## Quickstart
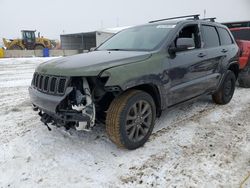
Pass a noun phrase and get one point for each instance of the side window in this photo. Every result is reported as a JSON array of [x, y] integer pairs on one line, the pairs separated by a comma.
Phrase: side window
[[191, 33], [224, 37], [210, 36]]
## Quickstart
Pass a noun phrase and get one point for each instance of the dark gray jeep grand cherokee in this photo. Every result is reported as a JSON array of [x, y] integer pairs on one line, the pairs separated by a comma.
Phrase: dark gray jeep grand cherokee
[[128, 80]]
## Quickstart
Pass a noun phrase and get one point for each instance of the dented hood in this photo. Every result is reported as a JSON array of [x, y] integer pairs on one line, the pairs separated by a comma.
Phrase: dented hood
[[90, 64]]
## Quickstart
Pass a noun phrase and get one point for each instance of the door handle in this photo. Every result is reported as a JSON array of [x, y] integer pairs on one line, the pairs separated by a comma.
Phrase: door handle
[[201, 55], [224, 50]]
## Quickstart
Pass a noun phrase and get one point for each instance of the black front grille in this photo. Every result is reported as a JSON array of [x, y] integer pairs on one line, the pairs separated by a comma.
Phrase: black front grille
[[50, 84], [61, 85], [46, 83], [52, 87]]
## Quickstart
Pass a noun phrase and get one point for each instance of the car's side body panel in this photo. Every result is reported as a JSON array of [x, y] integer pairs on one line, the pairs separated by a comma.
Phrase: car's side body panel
[[178, 78], [107, 74], [149, 71]]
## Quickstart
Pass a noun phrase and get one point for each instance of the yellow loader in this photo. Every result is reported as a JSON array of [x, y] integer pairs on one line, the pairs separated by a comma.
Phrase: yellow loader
[[29, 41]]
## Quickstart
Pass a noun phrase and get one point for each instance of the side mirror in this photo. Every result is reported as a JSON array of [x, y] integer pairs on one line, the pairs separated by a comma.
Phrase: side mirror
[[182, 44]]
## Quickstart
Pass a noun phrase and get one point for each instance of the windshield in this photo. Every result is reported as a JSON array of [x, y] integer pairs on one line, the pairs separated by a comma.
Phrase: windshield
[[141, 38], [243, 34]]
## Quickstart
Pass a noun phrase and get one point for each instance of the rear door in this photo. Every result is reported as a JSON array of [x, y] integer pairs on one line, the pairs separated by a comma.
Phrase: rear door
[[229, 47], [216, 53]]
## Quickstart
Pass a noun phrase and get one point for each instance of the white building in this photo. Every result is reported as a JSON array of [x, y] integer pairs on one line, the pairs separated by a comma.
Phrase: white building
[[87, 40]]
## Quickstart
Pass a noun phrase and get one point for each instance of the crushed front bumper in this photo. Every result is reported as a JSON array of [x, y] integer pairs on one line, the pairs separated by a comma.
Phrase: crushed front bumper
[[48, 107], [45, 102]]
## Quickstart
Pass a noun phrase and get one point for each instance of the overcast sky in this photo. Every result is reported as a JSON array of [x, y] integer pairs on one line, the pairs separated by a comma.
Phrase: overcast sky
[[53, 17]]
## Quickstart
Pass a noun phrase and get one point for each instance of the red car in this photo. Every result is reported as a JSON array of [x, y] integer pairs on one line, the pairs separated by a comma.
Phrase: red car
[[241, 32], [242, 36]]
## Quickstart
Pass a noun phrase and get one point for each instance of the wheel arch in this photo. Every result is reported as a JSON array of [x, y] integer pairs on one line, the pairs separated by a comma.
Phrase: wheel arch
[[16, 43], [39, 44], [234, 67], [154, 92]]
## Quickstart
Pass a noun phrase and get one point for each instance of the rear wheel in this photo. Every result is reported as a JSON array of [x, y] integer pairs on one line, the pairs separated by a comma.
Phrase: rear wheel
[[130, 119], [39, 47], [226, 91]]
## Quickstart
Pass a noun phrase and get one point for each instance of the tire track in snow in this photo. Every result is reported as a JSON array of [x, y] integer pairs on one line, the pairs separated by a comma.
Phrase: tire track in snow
[[214, 144], [15, 111]]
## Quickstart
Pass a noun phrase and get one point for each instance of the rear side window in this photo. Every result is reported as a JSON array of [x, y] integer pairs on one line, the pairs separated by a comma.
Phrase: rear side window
[[210, 36], [225, 37]]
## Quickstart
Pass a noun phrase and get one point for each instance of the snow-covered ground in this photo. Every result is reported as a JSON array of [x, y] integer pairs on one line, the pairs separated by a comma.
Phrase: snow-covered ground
[[198, 144]]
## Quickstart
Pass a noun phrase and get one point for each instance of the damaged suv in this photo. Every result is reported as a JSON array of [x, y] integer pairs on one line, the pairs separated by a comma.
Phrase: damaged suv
[[132, 77]]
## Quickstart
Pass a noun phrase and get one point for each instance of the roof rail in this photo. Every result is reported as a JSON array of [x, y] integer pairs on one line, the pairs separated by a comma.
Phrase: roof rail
[[195, 16], [210, 19]]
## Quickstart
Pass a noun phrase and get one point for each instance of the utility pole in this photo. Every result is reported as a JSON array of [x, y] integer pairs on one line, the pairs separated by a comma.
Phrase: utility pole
[[205, 12], [117, 22], [101, 24]]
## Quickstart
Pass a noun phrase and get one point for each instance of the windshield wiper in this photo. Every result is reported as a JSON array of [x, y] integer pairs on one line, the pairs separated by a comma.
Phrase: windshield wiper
[[119, 49], [115, 49]]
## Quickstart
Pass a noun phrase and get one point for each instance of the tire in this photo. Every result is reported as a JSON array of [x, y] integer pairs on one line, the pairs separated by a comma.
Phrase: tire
[[126, 128], [226, 91], [245, 83], [16, 47], [39, 47], [244, 78]]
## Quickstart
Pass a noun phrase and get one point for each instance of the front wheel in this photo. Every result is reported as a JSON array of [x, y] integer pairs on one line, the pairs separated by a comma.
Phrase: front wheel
[[226, 91], [16, 47], [130, 119]]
